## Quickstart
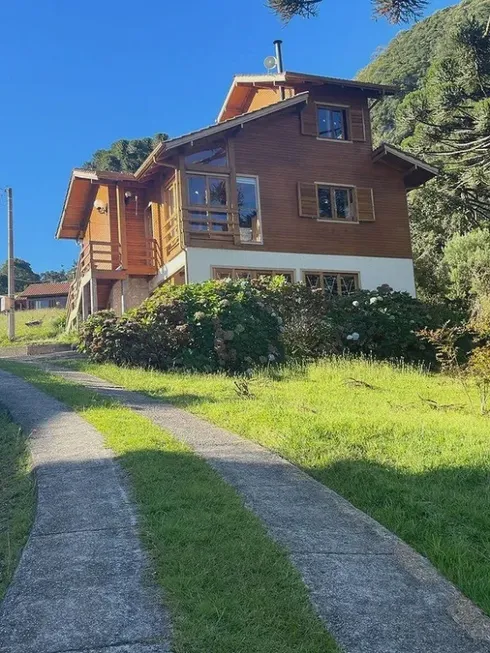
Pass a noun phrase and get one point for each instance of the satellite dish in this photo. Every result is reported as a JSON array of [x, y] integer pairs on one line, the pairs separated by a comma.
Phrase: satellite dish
[[270, 63]]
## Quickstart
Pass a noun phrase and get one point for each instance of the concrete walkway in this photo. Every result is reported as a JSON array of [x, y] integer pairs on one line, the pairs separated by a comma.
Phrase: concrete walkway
[[82, 583], [373, 592]]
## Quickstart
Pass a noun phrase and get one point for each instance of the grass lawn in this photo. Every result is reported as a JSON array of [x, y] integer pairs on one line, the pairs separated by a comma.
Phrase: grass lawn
[[230, 588], [16, 497], [409, 448], [47, 331]]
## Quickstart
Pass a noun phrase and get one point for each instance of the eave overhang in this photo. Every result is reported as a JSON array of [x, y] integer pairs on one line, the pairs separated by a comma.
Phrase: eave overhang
[[80, 197], [237, 92], [415, 171]]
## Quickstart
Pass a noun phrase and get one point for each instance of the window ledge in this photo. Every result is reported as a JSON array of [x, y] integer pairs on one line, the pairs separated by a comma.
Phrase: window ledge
[[337, 221], [255, 243], [333, 140]]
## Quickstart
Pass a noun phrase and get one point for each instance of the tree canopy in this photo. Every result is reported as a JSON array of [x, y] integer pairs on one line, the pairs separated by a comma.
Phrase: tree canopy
[[24, 275], [124, 155], [396, 11], [442, 114]]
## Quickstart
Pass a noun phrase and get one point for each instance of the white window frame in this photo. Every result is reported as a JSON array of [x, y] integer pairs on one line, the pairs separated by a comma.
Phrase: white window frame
[[259, 209]]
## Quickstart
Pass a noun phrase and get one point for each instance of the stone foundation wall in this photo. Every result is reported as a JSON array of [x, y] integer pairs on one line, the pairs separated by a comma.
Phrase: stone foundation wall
[[135, 290]]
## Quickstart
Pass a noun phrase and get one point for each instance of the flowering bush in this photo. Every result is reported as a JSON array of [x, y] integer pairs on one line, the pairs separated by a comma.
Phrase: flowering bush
[[385, 324], [236, 325], [209, 326]]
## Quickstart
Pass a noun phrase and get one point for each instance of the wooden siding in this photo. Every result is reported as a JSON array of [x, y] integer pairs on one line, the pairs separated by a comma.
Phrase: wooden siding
[[277, 152], [263, 97], [98, 227]]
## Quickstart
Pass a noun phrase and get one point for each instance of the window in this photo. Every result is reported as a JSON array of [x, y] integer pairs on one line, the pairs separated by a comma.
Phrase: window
[[244, 273], [333, 283], [336, 203], [248, 210], [208, 203], [215, 157], [332, 123]]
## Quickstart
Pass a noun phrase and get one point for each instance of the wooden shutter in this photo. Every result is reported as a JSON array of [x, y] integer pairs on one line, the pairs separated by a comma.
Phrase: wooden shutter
[[357, 127], [308, 200], [309, 121], [365, 204]]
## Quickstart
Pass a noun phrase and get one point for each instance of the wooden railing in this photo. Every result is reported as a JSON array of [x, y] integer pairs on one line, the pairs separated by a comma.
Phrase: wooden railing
[[106, 256], [171, 232], [99, 255], [214, 226], [146, 254]]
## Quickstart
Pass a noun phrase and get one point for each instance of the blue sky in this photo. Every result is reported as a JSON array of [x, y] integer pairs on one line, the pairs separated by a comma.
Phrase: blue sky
[[77, 76]]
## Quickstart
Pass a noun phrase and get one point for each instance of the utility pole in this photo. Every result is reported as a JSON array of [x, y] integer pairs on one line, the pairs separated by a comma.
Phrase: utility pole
[[10, 264]]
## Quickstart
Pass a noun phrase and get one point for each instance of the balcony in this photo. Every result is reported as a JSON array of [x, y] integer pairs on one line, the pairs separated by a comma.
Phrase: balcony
[[104, 261]]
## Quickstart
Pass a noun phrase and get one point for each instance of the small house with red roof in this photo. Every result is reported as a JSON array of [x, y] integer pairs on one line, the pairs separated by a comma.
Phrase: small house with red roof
[[45, 295]]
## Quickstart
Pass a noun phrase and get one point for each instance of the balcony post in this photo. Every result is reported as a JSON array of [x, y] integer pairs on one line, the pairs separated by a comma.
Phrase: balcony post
[[93, 296], [121, 225], [85, 311]]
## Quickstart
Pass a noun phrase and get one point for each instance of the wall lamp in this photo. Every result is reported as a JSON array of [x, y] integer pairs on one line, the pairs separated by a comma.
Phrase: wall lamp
[[101, 206]]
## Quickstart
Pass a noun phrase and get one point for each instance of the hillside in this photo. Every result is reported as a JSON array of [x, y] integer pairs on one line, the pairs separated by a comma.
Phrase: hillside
[[406, 59]]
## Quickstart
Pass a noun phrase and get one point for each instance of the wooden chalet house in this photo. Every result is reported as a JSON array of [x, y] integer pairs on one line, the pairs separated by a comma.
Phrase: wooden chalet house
[[285, 182]]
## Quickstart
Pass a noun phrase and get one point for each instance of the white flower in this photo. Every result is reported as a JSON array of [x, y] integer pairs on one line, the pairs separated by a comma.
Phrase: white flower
[[355, 336], [349, 337], [355, 303], [373, 300], [271, 358]]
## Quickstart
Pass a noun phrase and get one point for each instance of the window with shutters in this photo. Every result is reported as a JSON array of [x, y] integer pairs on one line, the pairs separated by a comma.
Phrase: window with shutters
[[336, 203], [332, 283], [332, 123]]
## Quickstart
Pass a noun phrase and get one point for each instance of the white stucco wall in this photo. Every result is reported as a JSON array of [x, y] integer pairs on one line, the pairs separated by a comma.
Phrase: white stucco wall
[[373, 271], [168, 270]]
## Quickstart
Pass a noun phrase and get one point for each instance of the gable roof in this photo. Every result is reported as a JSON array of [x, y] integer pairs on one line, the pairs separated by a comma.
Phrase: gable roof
[[415, 171], [46, 289], [218, 128], [81, 189], [292, 79]]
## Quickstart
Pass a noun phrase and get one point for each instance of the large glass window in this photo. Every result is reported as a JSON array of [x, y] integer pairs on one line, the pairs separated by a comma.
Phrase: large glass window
[[211, 157], [333, 283], [209, 194], [332, 123], [248, 209], [336, 203]]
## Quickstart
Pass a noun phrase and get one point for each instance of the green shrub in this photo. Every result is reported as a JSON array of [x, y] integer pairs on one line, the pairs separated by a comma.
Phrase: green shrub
[[236, 325], [385, 324], [209, 326]]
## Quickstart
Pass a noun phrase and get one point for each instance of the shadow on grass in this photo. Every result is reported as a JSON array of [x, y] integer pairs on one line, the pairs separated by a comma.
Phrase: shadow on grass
[[228, 585], [443, 513]]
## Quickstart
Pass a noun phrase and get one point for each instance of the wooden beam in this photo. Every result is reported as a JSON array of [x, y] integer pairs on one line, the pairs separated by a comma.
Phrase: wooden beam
[[121, 225]]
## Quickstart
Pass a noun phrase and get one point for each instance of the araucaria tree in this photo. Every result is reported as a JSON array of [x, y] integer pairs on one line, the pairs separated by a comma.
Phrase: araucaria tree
[[447, 121], [124, 155], [396, 11]]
